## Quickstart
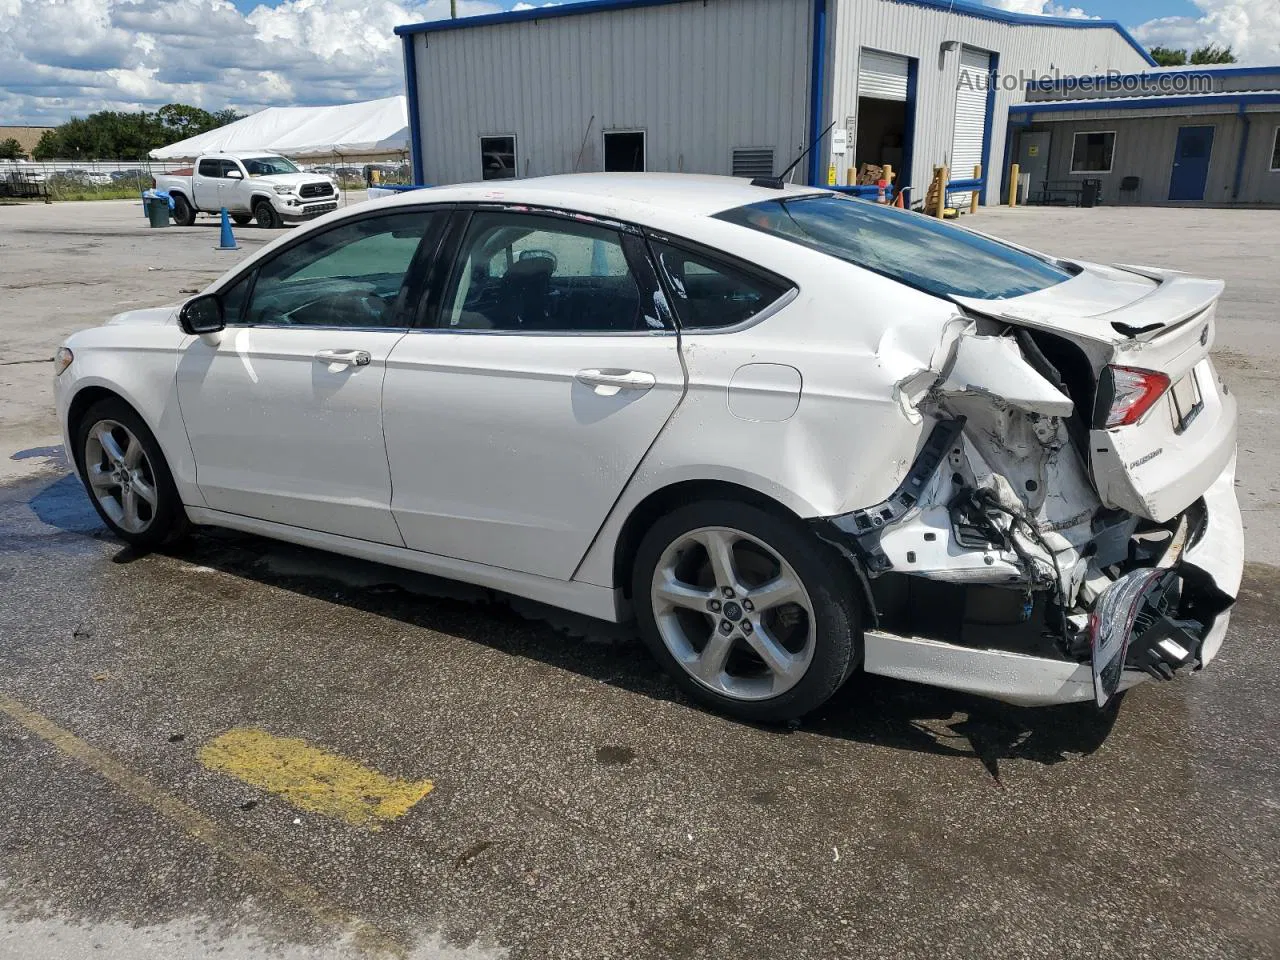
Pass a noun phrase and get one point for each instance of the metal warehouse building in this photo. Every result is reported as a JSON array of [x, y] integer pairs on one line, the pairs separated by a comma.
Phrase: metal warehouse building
[[736, 86], [1198, 136]]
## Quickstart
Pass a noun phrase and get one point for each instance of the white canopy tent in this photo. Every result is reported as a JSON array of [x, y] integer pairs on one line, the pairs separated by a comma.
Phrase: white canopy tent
[[375, 128]]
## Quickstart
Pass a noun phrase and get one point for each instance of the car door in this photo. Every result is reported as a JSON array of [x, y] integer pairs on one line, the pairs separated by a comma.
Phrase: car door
[[206, 184], [514, 421], [231, 192], [283, 411]]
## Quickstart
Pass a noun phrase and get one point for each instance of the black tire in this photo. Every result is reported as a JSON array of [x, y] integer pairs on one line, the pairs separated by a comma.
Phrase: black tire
[[184, 215], [266, 215], [242, 219], [832, 590], [168, 519]]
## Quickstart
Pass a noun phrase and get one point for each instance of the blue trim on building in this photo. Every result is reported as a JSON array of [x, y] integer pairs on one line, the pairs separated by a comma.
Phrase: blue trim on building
[[906, 174], [415, 115], [1025, 19], [817, 90], [1241, 99], [1120, 78], [993, 76], [522, 16], [599, 6]]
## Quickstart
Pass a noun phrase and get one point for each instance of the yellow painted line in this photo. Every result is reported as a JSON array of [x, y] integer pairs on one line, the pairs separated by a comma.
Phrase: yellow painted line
[[219, 839], [312, 779]]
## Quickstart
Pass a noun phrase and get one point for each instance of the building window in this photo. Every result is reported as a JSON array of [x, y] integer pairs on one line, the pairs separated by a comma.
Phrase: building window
[[1092, 152], [497, 158], [624, 151], [1275, 152], [753, 162]]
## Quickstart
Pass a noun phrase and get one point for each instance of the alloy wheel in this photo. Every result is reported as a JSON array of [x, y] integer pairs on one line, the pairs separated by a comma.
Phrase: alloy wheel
[[120, 476], [733, 613]]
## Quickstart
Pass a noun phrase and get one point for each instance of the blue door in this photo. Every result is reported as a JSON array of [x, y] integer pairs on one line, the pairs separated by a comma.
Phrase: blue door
[[1190, 163]]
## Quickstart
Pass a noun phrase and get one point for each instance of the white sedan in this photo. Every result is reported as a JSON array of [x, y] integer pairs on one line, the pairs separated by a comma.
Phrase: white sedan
[[791, 433]]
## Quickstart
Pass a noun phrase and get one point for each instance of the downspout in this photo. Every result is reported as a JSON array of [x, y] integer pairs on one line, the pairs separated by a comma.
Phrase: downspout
[[1244, 146], [993, 74], [817, 85], [415, 117]]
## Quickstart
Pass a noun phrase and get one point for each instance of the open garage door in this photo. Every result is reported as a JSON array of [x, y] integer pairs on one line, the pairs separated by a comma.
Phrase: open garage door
[[971, 118], [885, 90]]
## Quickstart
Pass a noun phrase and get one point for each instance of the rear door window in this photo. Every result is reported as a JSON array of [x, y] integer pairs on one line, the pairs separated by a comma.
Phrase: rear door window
[[911, 248], [709, 292], [535, 273], [210, 168]]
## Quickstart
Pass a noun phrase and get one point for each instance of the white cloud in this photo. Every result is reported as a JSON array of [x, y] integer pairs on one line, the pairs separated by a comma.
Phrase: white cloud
[[1040, 8], [60, 58], [1251, 28]]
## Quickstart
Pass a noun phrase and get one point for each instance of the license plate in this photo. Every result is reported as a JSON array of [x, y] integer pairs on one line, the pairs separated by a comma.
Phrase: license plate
[[1187, 401]]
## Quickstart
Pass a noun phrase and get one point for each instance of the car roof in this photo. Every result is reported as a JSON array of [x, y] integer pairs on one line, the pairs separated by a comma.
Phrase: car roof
[[628, 196]]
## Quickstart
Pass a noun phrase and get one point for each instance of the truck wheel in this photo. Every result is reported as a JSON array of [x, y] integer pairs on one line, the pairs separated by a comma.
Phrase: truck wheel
[[184, 215], [266, 215], [242, 219]]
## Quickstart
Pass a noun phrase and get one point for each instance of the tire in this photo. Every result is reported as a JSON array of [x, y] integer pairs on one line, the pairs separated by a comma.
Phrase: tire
[[155, 520], [184, 215], [814, 639], [266, 215], [242, 219]]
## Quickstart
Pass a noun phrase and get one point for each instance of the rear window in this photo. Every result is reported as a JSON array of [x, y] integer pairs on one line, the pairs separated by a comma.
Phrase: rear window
[[914, 249]]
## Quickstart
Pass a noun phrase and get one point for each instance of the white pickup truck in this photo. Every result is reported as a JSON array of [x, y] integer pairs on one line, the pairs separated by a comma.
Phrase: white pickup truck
[[252, 185]]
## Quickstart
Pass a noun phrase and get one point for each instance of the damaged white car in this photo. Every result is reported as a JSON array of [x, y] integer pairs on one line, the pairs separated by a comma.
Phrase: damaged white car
[[793, 434]]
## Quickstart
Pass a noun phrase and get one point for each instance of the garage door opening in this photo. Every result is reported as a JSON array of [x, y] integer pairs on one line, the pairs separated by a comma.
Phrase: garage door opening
[[886, 113], [624, 151]]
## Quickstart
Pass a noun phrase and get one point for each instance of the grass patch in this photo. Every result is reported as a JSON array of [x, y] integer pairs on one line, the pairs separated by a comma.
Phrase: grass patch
[[96, 193]]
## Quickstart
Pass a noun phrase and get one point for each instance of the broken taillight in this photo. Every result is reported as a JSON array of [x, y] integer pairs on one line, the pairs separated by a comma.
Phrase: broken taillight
[[1134, 391]]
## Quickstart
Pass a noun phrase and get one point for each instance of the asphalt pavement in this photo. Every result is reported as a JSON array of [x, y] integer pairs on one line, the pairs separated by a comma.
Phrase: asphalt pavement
[[244, 749]]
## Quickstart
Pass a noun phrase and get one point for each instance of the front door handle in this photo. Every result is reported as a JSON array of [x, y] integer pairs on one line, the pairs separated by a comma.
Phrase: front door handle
[[608, 382], [345, 358]]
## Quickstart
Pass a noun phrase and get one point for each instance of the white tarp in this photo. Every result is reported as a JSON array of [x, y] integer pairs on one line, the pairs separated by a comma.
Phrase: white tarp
[[372, 128]]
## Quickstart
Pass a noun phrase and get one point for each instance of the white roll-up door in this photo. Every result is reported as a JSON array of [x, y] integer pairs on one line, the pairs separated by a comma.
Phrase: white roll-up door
[[882, 75], [971, 117]]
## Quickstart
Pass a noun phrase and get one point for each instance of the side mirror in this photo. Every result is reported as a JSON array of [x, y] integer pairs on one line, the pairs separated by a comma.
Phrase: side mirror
[[234, 175], [202, 314]]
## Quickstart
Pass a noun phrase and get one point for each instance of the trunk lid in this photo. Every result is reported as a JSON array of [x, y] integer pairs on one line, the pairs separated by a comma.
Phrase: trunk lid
[[1148, 319]]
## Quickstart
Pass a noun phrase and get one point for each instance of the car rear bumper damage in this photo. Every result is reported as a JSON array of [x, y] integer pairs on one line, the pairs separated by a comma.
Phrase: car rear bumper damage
[[1062, 604]]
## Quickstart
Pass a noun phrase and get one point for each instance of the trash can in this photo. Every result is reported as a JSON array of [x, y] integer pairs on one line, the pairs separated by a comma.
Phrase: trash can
[[1089, 193], [157, 211], [146, 207]]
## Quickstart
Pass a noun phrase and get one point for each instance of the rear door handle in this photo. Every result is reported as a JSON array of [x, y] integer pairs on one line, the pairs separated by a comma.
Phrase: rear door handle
[[608, 382], [345, 358]]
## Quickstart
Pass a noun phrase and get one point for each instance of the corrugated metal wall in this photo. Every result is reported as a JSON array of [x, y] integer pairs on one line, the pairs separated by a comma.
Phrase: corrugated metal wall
[[1144, 148], [701, 79], [920, 32]]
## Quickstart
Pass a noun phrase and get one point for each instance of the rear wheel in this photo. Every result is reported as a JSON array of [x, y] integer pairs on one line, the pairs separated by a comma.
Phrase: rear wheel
[[184, 215], [266, 215], [746, 610], [126, 475]]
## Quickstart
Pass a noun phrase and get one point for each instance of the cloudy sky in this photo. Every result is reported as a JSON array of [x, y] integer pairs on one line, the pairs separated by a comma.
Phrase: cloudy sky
[[60, 58]]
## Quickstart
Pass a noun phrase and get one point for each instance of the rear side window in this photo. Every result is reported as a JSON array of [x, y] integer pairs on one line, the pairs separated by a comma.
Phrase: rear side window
[[210, 168], [709, 292], [531, 273], [913, 249]]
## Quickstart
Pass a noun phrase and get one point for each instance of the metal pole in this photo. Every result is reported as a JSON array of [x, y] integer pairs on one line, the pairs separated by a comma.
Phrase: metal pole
[[1014, 171], [973, 197], [453, 9]]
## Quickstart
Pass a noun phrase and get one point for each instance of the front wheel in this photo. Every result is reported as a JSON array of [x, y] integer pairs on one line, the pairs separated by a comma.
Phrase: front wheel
[[126, 475], [266, 215], [242, 219], [748, 611]]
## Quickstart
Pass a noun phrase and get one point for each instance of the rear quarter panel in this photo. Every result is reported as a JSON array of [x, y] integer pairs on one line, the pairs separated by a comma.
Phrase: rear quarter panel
[[853, 337]]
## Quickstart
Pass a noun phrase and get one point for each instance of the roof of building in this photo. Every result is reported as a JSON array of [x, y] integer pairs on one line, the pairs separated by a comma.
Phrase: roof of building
[[1238, 100], [956, 7]]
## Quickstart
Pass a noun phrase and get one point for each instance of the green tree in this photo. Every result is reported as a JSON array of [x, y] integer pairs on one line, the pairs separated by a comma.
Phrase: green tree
[[47, 147], [182, 120], [1168, 58], [222, 117], [10, 149], [1212, 53]]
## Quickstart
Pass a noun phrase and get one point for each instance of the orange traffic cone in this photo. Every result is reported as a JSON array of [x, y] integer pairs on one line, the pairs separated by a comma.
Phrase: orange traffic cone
[[897, 201]]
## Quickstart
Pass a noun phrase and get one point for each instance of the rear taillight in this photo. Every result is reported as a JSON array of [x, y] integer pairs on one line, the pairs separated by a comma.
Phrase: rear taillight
[[1134, 391]]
